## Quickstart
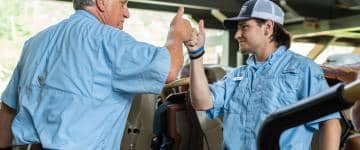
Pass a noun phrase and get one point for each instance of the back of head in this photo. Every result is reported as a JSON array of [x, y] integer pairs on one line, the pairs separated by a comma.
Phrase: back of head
[[80, 4]]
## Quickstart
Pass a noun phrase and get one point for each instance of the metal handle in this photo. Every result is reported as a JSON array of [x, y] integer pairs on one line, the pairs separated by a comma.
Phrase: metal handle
[[336, 98], [351, 91], [176, 83]]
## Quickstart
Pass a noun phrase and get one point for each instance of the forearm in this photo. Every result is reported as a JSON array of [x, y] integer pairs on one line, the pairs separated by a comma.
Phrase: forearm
[[330, 133], [355, 115], [180, 31], [199, 87], [174, 45], [7, 115]]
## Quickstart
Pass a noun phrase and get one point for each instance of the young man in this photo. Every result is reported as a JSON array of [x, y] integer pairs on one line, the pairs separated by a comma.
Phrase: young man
[[73, 85], [273, 78]]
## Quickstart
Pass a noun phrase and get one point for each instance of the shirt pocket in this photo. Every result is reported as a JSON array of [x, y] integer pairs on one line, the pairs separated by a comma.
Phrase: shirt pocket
[[279, 90], [289, 80]]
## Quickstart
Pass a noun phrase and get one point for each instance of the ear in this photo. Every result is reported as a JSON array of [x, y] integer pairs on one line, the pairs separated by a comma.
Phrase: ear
[[269, 27], [100, 4]]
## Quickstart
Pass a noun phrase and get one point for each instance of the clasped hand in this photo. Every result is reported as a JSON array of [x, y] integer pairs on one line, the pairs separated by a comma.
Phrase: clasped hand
[[181, 28]]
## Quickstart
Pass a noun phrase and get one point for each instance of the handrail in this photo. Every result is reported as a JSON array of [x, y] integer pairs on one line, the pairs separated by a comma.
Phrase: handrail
[[176, 83], [351, 91], [336, 98]]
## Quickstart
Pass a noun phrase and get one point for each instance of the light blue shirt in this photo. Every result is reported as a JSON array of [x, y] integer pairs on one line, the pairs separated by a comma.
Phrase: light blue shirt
[[249, 93], [74, 83]]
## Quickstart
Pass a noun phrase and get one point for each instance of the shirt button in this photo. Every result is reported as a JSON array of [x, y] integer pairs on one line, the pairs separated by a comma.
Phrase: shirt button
[[41, 80]]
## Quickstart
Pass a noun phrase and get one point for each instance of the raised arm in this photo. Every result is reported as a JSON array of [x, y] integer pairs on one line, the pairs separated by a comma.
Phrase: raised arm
[[180, 31], [199, 88]]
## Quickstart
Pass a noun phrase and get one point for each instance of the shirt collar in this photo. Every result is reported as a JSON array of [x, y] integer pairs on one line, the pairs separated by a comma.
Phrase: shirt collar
[[86, 14], [279, 51]]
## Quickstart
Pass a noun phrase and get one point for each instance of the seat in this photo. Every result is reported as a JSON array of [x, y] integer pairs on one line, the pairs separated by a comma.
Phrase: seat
[[183, 123]]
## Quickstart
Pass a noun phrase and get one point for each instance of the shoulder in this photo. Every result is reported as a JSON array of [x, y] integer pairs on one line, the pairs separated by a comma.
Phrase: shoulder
[[112, 31], [297, 58], [94, 29], [44, 35], [111, 34], [302, 62], [306, 66]]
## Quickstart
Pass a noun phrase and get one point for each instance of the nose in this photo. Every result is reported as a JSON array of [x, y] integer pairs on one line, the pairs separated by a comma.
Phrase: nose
[[237, 34], [126, 13]]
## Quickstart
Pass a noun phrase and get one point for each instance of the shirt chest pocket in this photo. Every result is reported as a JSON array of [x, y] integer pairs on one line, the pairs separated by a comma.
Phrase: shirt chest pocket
[[280, 89], [289, 80]]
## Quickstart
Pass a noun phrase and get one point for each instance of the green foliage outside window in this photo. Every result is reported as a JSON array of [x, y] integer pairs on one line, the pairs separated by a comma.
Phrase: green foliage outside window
[[12, 35]]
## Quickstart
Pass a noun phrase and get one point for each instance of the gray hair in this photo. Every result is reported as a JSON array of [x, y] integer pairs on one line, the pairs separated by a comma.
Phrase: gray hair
[[80, 4]]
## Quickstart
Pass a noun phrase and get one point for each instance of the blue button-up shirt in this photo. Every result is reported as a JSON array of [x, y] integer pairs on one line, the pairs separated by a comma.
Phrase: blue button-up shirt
[[73, 85], [249, 93]]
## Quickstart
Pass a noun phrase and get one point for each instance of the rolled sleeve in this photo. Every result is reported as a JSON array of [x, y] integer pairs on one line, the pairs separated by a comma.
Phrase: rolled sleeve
[[156, 74], [138, 67], [217, 109], [315, 124], [218, 97]]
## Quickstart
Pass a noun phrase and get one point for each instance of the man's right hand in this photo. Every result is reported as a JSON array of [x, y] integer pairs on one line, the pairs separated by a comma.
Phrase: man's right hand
[[197, 39], [180, 31], [180, 27]]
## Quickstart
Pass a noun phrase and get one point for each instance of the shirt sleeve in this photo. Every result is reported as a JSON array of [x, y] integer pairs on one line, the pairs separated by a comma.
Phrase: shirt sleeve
[[219, 94], [137, 67], [316, 83], [11, 94]]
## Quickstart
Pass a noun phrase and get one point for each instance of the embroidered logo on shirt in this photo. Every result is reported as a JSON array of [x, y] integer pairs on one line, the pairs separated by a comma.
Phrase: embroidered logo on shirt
[[238, 78]]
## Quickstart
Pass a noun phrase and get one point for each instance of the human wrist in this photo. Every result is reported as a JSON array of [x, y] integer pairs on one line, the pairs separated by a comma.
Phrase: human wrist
[[197, 53]]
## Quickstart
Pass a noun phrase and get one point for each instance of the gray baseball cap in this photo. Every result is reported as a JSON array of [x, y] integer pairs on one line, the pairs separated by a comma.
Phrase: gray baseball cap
[[262, 9]]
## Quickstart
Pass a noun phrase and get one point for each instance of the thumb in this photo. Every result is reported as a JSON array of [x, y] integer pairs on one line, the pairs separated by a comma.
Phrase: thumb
[[180, 12], [201, 26]]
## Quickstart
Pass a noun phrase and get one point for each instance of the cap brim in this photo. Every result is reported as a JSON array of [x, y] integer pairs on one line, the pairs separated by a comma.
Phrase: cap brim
[[231, 23]]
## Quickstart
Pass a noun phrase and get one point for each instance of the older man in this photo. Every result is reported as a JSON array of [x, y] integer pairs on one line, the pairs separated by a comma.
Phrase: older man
[[73, 85]]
